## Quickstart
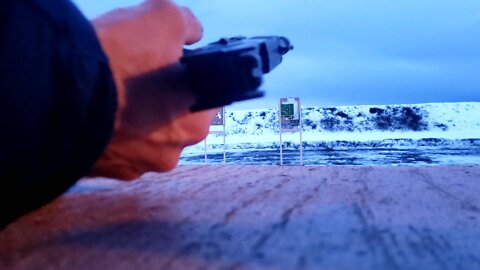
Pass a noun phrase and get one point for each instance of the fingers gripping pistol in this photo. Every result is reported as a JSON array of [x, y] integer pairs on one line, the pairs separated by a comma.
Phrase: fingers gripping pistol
[[231, 69]]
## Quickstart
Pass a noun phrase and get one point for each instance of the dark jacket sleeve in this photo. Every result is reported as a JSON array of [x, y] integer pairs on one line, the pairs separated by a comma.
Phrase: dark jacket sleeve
[[57, 102]]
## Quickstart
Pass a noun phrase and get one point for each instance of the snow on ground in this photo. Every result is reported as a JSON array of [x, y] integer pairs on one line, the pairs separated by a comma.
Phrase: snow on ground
[[396, 126]]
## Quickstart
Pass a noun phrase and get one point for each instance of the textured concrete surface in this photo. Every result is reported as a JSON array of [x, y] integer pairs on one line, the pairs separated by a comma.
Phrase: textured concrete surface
[[258, 217]]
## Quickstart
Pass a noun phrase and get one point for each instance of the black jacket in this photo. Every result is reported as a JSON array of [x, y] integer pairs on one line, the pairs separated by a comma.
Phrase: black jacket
[[57, 102]]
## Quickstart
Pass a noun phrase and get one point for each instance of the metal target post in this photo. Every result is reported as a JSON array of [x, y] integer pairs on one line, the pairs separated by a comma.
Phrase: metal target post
[[290, 120], [219, 120]]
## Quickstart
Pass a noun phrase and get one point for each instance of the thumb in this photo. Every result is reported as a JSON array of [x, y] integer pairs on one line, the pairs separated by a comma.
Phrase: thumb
[[194, 29]]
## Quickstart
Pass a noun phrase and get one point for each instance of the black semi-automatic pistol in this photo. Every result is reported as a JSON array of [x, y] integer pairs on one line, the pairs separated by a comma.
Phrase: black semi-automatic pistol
[[231, 69]]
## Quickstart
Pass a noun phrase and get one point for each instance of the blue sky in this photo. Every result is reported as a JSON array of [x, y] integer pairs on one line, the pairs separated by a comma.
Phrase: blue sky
[[351, 52]]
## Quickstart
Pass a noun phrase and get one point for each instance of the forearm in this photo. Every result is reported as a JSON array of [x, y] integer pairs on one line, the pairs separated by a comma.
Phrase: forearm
[[57, 101]]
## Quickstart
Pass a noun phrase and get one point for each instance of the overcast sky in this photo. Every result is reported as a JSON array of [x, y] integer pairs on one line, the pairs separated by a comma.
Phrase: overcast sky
[[351, 52]]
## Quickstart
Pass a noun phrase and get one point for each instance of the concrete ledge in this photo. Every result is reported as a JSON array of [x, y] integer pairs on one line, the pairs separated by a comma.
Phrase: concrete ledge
[[258, 217]]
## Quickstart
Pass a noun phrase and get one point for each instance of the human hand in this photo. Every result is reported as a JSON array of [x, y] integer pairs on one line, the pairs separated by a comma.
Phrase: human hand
[[153, 123]]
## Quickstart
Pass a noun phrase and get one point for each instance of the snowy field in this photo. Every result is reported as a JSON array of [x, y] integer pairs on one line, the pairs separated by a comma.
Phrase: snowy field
[[407, 134]]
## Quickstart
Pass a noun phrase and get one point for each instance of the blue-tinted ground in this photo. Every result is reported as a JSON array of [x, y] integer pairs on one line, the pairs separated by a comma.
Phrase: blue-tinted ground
[[352, 156]]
